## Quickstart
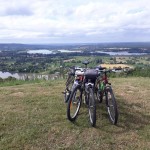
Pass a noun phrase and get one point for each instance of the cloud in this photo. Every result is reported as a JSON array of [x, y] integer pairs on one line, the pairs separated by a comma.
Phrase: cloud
[[23, 11], [74, 21], [10, 8]]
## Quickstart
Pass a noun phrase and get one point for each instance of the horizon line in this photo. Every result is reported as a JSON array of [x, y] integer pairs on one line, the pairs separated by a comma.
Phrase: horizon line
[[72, 43]]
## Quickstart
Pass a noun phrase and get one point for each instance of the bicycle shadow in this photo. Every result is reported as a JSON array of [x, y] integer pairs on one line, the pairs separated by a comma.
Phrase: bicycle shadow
[[131, 118]]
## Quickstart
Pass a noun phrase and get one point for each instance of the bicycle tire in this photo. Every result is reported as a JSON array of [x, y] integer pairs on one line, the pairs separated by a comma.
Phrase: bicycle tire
[[111, 106], [99, 96], [66, 95], [69, 84], [92, 107], [74, 102]]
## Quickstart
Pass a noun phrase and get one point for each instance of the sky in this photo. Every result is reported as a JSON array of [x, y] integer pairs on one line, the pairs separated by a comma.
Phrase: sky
[[74, 21]]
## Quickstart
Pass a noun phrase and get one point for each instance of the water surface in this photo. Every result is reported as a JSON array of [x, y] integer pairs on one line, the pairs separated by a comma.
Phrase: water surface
[[121, 53]]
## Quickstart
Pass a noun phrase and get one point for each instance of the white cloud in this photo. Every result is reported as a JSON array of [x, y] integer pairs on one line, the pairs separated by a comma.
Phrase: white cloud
[[78, 21]]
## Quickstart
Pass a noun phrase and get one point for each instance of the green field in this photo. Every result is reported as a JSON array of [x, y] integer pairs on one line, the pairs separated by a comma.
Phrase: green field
[[33, 117]]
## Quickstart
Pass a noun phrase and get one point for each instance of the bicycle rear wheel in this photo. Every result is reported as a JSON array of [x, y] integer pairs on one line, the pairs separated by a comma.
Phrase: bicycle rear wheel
[[111, 105], [92, 107], [74, 103], [69, 84], [99, 96]]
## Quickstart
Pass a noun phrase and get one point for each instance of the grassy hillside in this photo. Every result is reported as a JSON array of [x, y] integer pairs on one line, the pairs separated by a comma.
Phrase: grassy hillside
[[33, 116]]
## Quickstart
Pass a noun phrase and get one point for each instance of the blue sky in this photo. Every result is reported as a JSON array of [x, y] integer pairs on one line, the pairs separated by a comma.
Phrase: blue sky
[[78, 21]]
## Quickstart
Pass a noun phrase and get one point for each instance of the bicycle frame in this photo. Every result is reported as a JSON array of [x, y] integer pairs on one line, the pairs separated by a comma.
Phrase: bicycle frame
[[102, 80]]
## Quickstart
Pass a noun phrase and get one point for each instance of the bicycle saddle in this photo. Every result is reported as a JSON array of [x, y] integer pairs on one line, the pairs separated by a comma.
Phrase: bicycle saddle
[[86, 62]]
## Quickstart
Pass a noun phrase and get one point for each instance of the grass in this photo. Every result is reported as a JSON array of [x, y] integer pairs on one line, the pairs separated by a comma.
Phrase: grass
[[18, 82], [33, 116]]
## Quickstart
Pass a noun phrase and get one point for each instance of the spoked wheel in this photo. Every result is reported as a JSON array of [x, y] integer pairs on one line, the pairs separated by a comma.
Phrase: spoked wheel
[[92, 107], [111, 106], [99, 96], [69, 81], [74, 103], [69, 85], [66, 95]]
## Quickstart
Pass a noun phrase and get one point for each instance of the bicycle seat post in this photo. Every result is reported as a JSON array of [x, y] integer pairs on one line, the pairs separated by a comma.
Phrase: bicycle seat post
[[85, 63]]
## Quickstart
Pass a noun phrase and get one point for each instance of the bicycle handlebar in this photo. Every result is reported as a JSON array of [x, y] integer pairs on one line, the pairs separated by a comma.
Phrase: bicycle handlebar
[[73, 69]]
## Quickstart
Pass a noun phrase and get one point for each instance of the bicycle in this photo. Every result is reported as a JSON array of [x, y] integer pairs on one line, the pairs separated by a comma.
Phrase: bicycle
[[85, 83], [73, 74], [103, 88]]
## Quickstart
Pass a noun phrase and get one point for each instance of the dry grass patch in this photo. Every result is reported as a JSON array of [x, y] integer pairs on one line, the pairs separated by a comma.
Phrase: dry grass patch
[[33, 116], [116, 65]]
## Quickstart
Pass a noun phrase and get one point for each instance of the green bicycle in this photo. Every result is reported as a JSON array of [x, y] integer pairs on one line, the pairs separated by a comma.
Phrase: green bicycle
[[104, 90]]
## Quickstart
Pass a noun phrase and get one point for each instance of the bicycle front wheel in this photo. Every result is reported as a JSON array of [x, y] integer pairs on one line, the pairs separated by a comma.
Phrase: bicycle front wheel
[[111, 105], [74, 103], [92, 107]]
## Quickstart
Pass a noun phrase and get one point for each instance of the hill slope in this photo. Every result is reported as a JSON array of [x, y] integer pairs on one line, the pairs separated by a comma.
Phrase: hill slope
[[33, 116]]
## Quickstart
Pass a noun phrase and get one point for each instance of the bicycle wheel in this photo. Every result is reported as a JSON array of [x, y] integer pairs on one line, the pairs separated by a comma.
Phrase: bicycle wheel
[[74, 103], [111, 105], [66, 95], [92, 107], [67, 91], [99, 96], [69, 82]]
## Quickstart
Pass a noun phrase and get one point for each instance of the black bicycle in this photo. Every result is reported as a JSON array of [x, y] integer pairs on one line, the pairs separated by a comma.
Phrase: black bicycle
[[85, 85]]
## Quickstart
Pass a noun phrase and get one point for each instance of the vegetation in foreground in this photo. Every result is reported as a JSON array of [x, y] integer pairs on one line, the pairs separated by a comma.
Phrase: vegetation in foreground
[[33, 116]]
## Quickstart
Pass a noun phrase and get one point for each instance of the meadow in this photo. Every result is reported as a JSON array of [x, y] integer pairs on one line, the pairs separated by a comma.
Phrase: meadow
[[33, 117]]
